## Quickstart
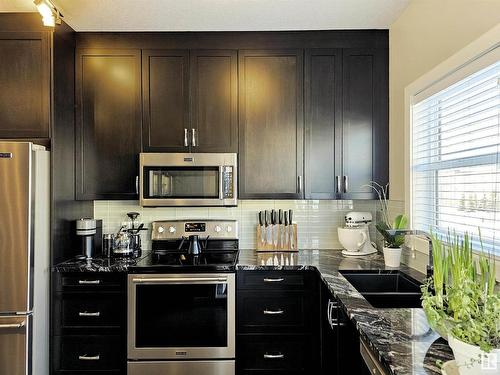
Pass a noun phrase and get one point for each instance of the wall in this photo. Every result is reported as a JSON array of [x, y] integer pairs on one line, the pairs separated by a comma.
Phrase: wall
[[317, 220], [426, 33]]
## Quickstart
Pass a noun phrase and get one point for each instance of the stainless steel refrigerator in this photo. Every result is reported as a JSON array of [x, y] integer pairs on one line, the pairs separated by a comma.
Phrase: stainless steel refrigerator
[[24, 258]]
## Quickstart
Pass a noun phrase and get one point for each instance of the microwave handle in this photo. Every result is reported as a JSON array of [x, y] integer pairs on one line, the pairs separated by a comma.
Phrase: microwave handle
[[221, 181]]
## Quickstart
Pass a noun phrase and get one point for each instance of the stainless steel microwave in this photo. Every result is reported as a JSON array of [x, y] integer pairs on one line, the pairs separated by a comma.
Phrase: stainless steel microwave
[[180, 179]]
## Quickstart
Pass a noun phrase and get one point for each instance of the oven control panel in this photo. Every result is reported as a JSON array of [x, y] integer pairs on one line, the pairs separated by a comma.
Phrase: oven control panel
[[175, 229]]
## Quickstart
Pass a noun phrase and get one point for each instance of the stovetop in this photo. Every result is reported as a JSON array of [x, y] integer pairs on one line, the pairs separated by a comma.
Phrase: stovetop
[[166, 262]]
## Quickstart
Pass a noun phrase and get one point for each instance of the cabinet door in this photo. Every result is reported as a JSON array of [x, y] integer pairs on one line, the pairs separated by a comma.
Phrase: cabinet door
[[323, 118], [271, 124], [165, 86], [25, 85], [365, 121], [108, 117], [214, 106]]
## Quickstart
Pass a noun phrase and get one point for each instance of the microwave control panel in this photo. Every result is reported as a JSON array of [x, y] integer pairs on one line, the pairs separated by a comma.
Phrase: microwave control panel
[[227, 182]]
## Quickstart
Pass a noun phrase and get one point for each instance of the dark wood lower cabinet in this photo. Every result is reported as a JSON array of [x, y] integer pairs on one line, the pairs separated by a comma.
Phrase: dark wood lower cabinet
[[89, 324], [277, 322], [339, 338]]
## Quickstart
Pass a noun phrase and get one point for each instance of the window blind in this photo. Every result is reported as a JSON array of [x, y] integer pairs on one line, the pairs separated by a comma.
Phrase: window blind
[[455, 158]]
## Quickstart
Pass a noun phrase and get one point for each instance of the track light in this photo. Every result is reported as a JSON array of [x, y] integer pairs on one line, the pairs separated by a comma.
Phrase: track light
[[50, 15]]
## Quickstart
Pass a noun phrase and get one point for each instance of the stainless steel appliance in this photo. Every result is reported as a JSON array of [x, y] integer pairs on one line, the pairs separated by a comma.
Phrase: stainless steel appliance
[[181, 305], [89, 230], [24, 258], [179, 179]]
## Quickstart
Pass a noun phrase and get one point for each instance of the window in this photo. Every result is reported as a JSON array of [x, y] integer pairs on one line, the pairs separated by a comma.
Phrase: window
[[455, 157]]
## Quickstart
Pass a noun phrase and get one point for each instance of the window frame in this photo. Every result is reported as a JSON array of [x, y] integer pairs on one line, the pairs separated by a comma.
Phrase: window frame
[[480, 53]]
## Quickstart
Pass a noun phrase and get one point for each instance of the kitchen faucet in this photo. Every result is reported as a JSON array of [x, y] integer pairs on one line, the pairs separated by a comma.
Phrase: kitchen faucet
[[416, 232]]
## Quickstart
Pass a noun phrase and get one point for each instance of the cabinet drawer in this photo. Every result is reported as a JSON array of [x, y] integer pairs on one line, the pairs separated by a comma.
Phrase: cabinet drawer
[[86, 353], [272, 311], [272, 280], [85, 281], [91, 310], [274, 353]]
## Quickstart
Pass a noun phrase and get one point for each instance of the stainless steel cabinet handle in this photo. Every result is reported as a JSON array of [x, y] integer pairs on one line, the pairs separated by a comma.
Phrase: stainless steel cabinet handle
[[193, 137], [137, 184], [85, 357], [299, 183], [346, 184], [337, 181], [273, 312], [192, 280], [274, 356], [185, 137], [89, 282], [13, 325], [84, 313], [277, 280], [336, 324]]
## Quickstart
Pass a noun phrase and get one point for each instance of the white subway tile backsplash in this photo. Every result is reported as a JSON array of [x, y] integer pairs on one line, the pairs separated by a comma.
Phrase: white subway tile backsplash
[[317, 220]]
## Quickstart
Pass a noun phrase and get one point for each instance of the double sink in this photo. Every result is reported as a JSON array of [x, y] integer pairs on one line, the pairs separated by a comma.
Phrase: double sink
[[386, 289]]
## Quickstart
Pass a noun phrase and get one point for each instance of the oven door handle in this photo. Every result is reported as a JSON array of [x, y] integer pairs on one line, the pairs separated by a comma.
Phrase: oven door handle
[[177, 280]]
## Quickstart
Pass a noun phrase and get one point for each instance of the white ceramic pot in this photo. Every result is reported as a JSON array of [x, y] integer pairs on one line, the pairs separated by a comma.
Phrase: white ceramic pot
[[392, 256], [471, 360]]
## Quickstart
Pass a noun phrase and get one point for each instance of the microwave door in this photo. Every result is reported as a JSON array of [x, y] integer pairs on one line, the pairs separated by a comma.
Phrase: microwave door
[[166, 184]]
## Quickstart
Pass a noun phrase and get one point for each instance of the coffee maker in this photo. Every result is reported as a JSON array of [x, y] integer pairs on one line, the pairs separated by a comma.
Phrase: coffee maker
[[90, 232]]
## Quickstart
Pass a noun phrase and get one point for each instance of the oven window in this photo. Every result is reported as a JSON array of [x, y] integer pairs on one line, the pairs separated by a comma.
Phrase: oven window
[[181, 182], [181, 315]]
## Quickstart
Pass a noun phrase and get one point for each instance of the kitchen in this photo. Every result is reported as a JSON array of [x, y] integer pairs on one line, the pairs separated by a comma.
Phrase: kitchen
[[249, 187]]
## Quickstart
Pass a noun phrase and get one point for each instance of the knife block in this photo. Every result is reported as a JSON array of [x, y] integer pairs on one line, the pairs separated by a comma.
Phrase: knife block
[[278, 232]]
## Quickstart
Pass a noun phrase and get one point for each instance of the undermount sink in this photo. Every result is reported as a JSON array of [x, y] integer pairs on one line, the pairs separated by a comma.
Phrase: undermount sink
[[386, 289]]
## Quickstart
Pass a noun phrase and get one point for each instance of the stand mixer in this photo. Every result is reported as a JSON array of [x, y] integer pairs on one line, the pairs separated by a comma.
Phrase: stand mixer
[[355, 236]]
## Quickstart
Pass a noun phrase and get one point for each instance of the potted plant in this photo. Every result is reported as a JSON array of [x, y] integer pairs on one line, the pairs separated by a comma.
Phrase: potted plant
[[462, 305], [392, 243]]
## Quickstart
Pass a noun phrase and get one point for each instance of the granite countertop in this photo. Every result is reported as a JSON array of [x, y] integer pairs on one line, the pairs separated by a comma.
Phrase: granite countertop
[[401, 337]]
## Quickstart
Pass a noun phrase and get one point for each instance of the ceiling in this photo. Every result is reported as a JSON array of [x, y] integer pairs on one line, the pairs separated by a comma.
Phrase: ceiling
[[219, 15]]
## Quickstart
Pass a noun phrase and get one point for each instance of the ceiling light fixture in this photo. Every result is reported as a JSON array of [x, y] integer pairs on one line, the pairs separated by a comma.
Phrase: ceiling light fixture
[[50, 14]]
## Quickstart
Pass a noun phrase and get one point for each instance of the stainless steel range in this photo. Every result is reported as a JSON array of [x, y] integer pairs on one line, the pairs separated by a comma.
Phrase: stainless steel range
[[181, 300]]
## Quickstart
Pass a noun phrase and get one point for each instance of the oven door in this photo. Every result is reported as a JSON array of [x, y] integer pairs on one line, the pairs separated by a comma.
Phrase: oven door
[[181, 316], [188, 179]]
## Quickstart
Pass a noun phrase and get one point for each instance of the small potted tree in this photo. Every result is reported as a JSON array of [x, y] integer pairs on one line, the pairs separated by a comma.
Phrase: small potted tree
[[393, 244], [462, 304]]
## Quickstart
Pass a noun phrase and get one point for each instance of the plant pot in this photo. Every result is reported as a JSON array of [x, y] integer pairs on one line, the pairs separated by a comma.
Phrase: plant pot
[[392, 256], [471, 360]]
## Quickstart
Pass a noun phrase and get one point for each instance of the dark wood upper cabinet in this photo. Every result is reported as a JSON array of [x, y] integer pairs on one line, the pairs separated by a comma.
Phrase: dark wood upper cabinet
[[108, 117], [365, 121], [165, 85], [214, 100], [323, 119], [271, 124], [25, 84]]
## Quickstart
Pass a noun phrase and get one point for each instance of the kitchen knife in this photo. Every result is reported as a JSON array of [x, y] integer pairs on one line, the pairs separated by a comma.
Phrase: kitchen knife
[[291, 229], [274, 216], [285, 229], [269, 238], [280, 221], [262, 228]]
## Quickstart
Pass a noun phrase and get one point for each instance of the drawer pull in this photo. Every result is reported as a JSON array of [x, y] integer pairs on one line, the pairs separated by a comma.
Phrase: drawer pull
[[85, 357], [85, 313], [277, 280], [89, 282], [274, 356], [273, 312]]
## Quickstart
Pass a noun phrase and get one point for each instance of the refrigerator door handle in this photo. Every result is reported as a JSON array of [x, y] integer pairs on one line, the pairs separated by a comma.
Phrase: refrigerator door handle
[[13, 325]]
